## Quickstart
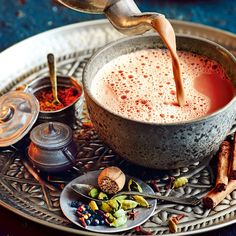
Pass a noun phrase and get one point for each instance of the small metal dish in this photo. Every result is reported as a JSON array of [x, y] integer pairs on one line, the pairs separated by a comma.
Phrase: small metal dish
[[65, 115]]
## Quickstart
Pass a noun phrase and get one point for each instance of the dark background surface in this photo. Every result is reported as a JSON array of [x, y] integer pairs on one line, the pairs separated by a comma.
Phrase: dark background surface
[[20, 19]]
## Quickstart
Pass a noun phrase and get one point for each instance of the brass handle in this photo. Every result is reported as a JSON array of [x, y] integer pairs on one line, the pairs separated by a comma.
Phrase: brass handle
[[53, 75]]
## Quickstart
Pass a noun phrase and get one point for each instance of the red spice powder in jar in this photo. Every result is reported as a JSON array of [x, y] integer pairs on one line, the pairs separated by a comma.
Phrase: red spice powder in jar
[[66, 95]]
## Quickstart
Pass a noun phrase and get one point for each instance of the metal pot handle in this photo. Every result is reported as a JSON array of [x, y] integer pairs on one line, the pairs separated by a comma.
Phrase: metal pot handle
[[68, 155]]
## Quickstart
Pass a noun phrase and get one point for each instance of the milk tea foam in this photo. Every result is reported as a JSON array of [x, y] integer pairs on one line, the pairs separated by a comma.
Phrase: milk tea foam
[[140, 86]]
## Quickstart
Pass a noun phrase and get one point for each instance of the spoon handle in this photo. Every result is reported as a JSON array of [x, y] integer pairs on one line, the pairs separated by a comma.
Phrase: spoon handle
[[191, 201], [52, 74]]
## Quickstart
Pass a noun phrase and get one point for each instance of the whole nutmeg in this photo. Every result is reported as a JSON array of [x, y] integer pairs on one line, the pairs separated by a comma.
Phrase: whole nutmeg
[[111, 180]]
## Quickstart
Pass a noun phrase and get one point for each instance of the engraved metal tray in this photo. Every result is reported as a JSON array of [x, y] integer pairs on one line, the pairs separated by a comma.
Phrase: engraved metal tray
[[21, 193]]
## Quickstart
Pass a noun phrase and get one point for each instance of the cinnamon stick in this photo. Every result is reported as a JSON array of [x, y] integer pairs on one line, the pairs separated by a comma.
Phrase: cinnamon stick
[[213, 198], [233, 160], [223, 166]]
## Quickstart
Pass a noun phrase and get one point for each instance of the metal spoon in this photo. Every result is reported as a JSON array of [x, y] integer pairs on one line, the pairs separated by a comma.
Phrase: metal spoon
[[83, 190], [53, 77]]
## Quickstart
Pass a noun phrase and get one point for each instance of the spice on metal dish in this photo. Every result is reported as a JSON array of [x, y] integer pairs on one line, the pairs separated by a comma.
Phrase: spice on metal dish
[[141, 201], [134, 186], [102, 196], [112, 212], [93, 193], [87, 216], [66, 95], [93, 205], [106, 207], [128, 204], [132, 214], [111, 180], [115, 204]]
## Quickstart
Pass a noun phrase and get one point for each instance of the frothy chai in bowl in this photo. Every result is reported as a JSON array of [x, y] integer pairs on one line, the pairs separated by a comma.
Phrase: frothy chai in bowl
[[140, 86]]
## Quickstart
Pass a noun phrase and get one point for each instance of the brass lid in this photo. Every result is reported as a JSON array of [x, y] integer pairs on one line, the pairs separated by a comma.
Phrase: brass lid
[[18, 113]]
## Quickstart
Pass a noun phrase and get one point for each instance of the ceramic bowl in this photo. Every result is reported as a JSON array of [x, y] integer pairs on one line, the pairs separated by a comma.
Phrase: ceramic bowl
[[161, 146]]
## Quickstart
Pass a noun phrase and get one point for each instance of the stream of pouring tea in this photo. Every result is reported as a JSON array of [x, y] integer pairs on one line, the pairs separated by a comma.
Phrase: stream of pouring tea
[[167, 34]]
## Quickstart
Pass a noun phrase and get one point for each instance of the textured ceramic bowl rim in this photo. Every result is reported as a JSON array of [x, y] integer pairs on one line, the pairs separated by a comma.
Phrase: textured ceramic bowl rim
[[58, 84], [126, 39]]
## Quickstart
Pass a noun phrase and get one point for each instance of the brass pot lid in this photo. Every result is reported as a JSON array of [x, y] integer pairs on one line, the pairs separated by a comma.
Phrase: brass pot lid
[[18, 113], [52, 135]]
